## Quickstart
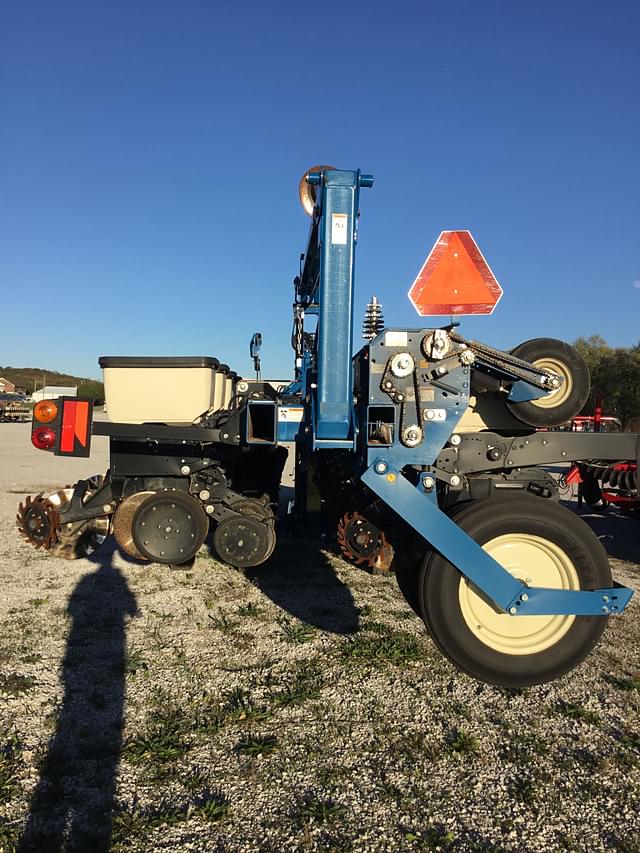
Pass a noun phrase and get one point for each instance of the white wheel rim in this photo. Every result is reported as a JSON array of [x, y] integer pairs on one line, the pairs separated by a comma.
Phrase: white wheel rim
[[561, 394], [537, 562]]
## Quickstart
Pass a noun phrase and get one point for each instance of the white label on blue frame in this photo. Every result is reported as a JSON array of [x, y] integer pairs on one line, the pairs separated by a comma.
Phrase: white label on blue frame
[[339, 229]]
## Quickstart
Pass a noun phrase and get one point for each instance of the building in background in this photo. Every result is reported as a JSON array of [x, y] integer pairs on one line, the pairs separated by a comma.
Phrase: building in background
[[6, 387], [51, 392]]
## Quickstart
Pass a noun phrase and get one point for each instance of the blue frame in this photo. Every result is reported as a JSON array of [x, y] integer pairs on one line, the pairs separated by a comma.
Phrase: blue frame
[[509, 594]]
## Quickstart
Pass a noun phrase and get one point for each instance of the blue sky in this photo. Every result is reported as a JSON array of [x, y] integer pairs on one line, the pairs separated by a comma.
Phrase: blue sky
[[150, 154]]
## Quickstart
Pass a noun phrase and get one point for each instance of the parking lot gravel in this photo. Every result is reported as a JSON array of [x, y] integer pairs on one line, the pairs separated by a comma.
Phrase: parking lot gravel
[[300, 706]]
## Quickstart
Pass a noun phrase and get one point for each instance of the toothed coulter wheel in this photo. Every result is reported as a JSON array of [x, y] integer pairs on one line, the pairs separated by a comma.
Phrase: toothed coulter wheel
[[169, 527]]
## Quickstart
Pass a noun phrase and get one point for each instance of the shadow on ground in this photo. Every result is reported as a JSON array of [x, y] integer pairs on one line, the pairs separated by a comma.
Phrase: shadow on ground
[[301, 579], [619, 533], [72, 804]]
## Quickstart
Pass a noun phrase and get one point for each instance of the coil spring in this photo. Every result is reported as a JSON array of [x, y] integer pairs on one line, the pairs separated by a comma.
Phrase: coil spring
[[617, 475]]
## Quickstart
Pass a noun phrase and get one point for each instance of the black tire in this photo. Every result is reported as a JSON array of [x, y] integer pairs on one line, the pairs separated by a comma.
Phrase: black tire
[[444, 595], [560, 406]]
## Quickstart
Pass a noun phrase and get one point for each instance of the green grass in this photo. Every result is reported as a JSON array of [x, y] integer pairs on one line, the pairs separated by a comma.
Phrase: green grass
[[435, 837], [166, 739], [385, 646], [315, 809], [222, 623], [626, 683], [463, 743], [523, 748], [135, 663], [574, 711], [258, 745], [239, 706], [252, 611], [15, 684], [306, 683], [10, 752], [296, 633]]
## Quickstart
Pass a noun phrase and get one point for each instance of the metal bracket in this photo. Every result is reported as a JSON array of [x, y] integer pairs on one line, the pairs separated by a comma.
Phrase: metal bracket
[[508, 593]]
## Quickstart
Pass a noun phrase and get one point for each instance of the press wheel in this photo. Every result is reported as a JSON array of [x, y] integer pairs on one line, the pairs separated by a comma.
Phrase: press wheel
[[243, 541], [541, 544]]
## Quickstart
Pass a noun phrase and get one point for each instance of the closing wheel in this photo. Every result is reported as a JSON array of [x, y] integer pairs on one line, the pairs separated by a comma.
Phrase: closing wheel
[[540, 543], [559, 406], [243, 541]]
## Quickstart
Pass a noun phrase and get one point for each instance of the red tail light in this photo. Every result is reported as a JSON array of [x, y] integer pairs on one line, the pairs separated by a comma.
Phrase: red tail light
[[43, 438]]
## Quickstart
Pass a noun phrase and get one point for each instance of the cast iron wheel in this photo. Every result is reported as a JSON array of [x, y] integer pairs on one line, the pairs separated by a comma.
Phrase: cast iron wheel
[[169, 527], [540, 543], [561, 405], [243, 541]]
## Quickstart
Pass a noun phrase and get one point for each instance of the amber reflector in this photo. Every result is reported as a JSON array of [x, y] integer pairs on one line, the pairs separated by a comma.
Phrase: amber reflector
[[45, 411]]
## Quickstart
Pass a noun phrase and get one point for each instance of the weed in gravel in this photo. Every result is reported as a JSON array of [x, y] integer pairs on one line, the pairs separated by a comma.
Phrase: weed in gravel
[[296, 633], [523, 748], [37, 602], [413, 745], [626, 683], [252, 611], [511, 692], [436, 837], [575, 711], [258, 745], [135, 663], [462, 742], [10, 752], [384, 646], [9, 835], [222, 623], [239, 706], [212, 806], [166, 738], [524, 788], [306, 683], [15, 684], [316, 809], [627, 755]]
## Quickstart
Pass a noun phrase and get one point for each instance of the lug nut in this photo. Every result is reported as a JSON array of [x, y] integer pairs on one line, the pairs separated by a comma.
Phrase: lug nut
[[454, 480], [185, 470], [455, 440]]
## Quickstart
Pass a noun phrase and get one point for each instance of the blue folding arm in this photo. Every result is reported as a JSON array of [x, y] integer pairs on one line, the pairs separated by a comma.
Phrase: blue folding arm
[[508, 593]]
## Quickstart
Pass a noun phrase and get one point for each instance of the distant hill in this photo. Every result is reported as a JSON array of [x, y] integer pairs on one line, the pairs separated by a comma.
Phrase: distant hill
[[28, 375]]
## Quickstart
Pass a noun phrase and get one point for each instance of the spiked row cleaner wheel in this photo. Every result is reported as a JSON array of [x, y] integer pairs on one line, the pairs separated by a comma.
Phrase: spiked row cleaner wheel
[[364, 544], [38, 522]]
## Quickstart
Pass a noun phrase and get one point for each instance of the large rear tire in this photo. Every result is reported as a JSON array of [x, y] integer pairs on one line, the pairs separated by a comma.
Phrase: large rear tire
[[541, 543], [559, 406]]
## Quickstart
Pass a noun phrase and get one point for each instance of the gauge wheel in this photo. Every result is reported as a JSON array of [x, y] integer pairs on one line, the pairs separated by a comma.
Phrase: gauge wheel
[[542, 544], [559, 406], [169, 527]]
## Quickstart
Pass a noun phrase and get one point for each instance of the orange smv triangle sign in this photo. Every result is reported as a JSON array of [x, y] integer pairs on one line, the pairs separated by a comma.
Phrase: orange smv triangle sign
[[455, 279]]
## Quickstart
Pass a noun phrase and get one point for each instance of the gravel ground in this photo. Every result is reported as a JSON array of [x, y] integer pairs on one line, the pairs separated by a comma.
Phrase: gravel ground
[[298, 707]]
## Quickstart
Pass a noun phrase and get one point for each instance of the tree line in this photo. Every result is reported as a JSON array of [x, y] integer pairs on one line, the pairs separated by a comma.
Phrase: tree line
[[615, 377]]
